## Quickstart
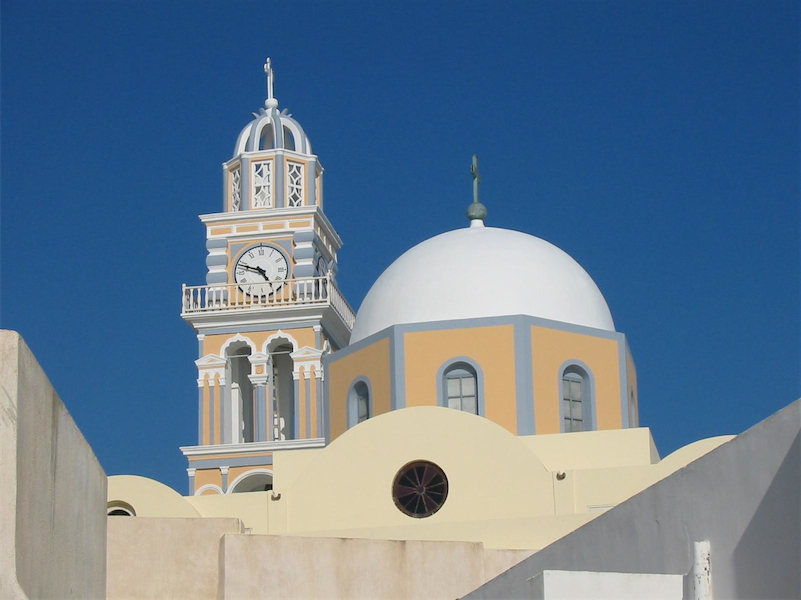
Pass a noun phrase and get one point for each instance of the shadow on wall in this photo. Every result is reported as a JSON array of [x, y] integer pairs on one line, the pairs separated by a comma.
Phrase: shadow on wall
[[774, 529]]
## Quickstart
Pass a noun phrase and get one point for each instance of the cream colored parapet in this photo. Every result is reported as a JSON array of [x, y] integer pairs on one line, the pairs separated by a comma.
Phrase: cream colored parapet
[[147, 497], [52, 489], [165, 558]]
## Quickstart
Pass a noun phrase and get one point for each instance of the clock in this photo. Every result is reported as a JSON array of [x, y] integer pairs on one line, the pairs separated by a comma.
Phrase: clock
[[261, 270]]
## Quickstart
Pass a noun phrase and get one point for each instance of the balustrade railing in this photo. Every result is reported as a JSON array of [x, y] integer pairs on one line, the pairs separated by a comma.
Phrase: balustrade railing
[[289, 292]]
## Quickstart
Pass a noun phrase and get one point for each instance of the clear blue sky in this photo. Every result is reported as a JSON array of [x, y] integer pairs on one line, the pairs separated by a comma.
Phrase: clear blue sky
[[655, 142]]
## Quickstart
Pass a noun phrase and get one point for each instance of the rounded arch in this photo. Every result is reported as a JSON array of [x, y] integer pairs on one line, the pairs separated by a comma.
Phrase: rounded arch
[[356, 389], [276, 340], [578, 371], [118, 508], [260, 478], [234, 339], [208, 487], [471, 366]]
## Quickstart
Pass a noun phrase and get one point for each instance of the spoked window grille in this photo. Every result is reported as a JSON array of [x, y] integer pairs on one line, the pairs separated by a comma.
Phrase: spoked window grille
[[236, 189], [420, 489], [263, 184], [294, 184]]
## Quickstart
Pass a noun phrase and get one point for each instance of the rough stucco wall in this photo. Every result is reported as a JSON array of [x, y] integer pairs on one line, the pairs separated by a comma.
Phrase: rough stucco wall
[[743, 497], [53, 494], [165, 558], [273, 567]]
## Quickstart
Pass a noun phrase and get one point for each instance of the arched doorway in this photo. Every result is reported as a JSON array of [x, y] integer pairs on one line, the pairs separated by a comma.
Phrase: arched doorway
[[241, 392]]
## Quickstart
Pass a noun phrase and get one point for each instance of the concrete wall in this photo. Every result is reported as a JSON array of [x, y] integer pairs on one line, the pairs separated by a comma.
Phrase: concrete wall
[[52, 489], [743, 497], [165, 558], [272, 567]]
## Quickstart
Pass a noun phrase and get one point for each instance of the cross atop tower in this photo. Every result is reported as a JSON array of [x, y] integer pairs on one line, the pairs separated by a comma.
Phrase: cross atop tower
[[476, 178], [476, 212], [268, 71]]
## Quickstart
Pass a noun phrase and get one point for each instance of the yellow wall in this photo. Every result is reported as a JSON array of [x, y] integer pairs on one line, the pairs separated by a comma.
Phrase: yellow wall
[[631, 376], [212, 344], [207, 477], [491, 347], [371, 362], [550, 348]]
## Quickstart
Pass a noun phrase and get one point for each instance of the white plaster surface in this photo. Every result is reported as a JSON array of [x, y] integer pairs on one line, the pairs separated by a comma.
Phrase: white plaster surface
[[743, 497], [52, 489], [482, 272], [584, 585]]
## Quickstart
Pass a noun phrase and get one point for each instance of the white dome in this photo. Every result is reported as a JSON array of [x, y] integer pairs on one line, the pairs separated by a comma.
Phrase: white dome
[[482, 272], [272, 130]]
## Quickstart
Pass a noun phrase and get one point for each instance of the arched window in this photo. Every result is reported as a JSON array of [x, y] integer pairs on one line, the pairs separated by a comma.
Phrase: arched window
[[577, 406], [241, 392], [117, 508], [289, 139], [362, 401], [266, 139], [252, 481], [460, 387], [359, 405]]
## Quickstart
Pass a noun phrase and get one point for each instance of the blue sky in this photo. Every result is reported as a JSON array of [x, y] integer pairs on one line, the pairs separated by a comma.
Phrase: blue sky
[[655, 142]]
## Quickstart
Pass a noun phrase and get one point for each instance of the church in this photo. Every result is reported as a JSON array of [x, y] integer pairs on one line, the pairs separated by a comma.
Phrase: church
[[479, 407]]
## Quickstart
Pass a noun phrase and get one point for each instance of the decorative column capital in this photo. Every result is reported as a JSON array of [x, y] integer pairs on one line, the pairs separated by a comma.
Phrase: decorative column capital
[[224, 470], [191, 472], [259, 379]]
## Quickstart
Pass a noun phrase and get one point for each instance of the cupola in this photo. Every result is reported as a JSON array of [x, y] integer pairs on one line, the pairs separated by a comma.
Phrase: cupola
[[273, 166]]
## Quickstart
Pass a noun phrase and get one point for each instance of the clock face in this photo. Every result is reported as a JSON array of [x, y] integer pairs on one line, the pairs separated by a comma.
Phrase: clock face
[[261, 270]]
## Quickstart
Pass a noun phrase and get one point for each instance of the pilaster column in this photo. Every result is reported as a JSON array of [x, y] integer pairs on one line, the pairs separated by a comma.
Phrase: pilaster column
[[259, 377], [201, 392], [318, 375], [296, 409], [224, 483], [191, 474]]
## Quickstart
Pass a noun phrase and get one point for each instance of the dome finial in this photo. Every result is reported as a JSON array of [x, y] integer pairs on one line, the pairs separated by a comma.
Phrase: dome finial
[[476, 212], [271, 102]]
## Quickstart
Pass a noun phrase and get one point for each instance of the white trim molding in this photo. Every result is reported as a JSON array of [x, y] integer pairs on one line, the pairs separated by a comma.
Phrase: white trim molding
[[209, 486], [252, 447], [247, 474]]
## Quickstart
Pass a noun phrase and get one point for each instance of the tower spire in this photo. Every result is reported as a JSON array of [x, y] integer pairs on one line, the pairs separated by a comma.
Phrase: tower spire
[[476, 212], [271, 102]]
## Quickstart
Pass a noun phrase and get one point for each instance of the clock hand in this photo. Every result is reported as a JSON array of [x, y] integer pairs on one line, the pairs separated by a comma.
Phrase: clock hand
[[258, 270]]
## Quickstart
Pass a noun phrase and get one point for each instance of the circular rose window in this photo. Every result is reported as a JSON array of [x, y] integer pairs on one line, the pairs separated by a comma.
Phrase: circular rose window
[[420, 489]]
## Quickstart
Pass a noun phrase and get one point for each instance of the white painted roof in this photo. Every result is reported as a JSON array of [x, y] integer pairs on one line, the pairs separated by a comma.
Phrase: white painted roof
[[482, 272]]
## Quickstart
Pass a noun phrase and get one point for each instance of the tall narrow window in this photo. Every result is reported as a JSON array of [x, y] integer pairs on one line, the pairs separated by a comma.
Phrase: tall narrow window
[[236, 190], [572, 405], [289, 139], [294, 184], [359, 406], [263, 184], [460, 388], [362, 401], [267, 138], [578, 402]]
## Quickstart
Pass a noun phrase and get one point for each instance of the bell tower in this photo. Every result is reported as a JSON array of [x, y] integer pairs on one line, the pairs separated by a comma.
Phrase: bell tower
[[269, 310]]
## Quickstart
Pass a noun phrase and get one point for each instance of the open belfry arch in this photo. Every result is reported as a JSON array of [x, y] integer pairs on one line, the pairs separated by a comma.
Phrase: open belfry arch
[[270, 308]]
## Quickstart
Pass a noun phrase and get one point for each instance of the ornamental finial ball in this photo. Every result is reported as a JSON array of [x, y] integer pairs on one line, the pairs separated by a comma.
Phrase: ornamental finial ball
[[476, 210]]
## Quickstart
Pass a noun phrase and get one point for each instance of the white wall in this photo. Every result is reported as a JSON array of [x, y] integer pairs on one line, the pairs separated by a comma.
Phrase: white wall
[[743, 497], [52, 489]]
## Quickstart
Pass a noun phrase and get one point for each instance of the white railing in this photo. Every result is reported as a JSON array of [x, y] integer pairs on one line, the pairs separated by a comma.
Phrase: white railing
[[292, 292]]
